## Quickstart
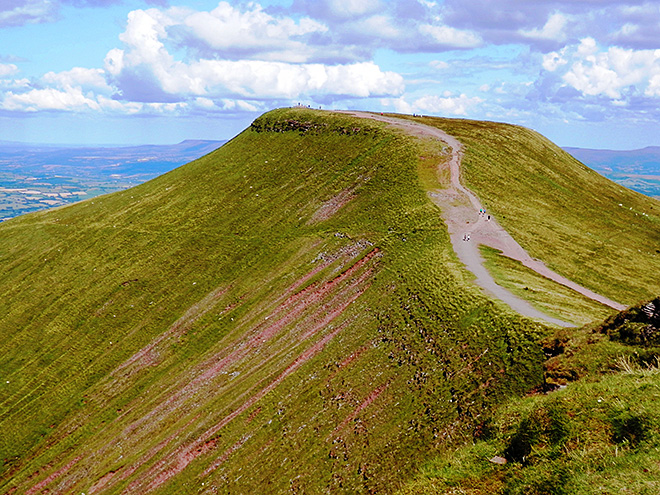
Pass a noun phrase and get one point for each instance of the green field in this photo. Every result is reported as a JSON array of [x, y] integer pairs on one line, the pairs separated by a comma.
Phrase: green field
[[285, 314]]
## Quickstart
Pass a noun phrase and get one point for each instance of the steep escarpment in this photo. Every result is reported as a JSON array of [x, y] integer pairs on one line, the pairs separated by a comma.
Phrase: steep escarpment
[[285, 313]]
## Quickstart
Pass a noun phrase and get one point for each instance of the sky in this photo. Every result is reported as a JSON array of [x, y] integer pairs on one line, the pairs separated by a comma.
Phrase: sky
[[584, 73]]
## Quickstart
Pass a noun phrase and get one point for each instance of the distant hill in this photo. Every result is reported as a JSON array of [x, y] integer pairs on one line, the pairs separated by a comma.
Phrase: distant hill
[[636, 169], [34, 177], [287, 315]]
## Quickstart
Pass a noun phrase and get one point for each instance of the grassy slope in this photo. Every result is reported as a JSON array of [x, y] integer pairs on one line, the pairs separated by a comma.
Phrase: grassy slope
[[582, 225], [599, 435], [285, 313], [548, 296]]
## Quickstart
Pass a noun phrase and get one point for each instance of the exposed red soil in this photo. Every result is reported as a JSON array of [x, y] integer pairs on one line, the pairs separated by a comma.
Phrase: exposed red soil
[[226, 454], [100, 484], [302, 313], [44, 483], [363, 405], [176, 462], [351, 357], [185, 455]]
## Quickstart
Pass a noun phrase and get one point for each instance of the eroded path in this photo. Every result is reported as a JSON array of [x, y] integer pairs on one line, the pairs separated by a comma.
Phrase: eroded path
[[461, 212]]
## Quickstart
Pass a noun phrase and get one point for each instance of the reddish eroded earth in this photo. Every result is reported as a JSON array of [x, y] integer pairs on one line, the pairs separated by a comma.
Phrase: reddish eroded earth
[[303, 321]]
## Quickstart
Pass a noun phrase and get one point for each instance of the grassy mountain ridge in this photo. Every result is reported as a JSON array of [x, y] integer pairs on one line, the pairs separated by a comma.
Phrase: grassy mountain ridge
[[587, 228], [325, 232], [283, 314]]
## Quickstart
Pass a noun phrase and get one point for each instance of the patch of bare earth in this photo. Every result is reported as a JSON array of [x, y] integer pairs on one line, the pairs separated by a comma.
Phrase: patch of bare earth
[[305, 320], [330, 207]]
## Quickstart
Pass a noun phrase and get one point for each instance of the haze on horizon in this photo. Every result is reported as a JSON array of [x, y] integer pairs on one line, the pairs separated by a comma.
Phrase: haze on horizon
[[584, 73]]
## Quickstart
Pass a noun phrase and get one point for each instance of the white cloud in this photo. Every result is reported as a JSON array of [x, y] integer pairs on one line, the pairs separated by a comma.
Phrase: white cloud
[[8, 69], [229, 30], [19, 12], [553, 60], [79, 77], [49, 99], [451, 37], [376, 26], [452, 105], [23, 83], [434, 104], [613, 71], [149, 74], [439, 64], [262, 79], [553, 30], [145, 54]]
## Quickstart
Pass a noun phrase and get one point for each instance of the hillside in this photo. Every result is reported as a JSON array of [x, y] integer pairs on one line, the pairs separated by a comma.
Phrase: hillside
[[585, 227], [595, 430], [283, 314]]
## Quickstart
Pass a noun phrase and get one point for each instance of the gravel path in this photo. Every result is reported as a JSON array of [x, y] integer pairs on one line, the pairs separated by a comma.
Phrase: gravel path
[[461, 212]]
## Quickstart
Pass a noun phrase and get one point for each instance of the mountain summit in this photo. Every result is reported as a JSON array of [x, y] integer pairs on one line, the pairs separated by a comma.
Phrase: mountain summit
[[288, 314]]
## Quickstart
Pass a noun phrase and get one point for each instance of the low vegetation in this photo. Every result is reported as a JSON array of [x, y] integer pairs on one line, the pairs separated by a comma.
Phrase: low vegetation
[[591, 230], [593, 431], [285, 314], [548, 296]]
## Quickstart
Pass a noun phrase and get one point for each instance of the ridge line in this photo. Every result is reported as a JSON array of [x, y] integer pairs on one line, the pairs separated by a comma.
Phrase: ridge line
[[465, 220]]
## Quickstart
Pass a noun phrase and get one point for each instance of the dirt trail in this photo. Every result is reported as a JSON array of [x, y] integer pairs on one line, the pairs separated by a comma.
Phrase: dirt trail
[[460, 211]]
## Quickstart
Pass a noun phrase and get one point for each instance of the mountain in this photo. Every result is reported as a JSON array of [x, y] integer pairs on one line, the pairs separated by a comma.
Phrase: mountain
[[636, 169], [287, 313]]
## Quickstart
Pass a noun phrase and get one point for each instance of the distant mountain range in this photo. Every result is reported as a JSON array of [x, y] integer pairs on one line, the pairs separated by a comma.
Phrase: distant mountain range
[[638, 170], [35, 176]]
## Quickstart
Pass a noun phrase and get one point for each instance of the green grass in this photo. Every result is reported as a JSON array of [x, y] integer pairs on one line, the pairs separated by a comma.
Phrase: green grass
[[351, 388], [550, 297], [585, 227], [592, 428], [285, 314], [591, 438]]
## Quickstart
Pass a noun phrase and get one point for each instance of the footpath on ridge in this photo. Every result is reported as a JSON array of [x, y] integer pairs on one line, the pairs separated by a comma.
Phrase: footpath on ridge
[[461, 212]]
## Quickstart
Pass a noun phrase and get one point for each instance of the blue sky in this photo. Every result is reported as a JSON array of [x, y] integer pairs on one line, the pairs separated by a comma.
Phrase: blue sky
[[582, 72]]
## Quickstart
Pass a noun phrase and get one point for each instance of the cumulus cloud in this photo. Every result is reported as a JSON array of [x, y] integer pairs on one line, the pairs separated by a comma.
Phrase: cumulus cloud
[[145, 69], [612, 72], [149, 72], [78, 77], [228, 32], [48, 99], [553, 30], [447, 104]]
